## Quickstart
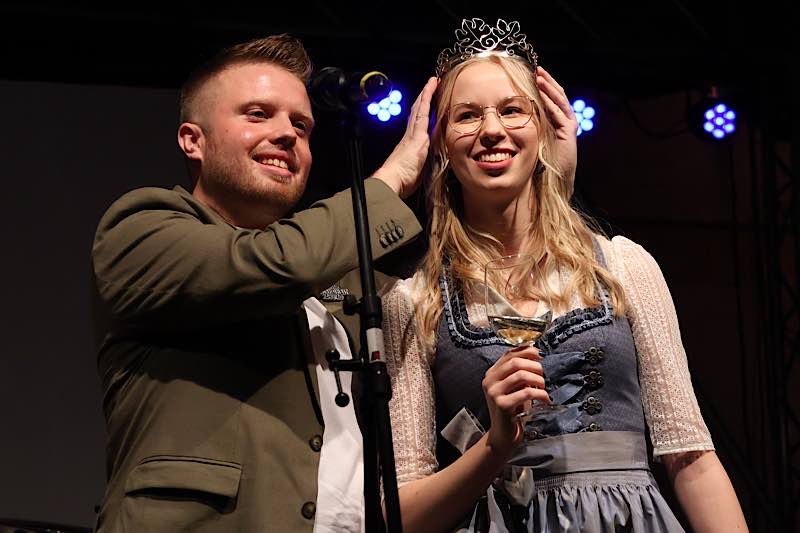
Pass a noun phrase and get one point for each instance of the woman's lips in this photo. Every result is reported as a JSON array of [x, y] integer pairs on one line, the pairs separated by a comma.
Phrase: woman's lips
[[494, 160]]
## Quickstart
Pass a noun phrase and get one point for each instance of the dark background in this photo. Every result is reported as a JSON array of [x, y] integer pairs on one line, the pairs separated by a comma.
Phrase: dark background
[[88, 107]]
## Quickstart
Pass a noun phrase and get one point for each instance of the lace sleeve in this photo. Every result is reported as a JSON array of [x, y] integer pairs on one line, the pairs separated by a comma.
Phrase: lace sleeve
[[412, 405], [670, 406]]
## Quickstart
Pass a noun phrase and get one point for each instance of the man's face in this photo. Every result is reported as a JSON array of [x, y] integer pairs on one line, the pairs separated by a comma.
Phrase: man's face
[[256, 120]]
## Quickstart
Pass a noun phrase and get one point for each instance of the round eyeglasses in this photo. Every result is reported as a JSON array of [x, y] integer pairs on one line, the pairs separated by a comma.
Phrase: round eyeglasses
[[513, 112]]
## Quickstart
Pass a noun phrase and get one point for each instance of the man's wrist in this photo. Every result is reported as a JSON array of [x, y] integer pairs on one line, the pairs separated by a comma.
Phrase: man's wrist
[[393, 184]]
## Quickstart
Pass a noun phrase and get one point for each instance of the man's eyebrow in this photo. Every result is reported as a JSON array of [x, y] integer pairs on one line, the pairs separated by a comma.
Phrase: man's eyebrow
[[266, 103], [306, 118]]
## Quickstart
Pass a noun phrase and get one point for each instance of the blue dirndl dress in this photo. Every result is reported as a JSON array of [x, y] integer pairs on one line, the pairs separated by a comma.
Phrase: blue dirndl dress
[[586, 468]]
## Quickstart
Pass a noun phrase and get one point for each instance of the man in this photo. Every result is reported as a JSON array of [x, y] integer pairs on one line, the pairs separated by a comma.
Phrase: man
[[207, 366]]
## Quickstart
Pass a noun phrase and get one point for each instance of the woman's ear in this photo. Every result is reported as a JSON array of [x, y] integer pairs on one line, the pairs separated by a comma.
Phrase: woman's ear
[[191, 140]]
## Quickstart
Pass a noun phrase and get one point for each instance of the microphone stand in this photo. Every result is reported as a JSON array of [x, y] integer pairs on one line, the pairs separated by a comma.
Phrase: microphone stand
[[374, 404], [375, 400]]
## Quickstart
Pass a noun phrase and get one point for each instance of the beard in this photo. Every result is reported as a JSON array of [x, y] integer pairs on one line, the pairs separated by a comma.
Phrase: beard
[[238, 184]]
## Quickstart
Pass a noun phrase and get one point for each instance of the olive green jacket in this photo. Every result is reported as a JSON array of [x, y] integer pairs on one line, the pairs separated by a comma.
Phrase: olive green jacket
[[209, 387]]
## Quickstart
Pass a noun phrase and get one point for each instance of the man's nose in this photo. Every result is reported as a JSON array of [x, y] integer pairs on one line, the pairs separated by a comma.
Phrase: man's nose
[[282, 133]]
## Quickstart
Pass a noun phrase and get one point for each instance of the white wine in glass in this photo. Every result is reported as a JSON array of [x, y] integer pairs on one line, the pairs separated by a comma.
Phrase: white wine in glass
[[517, 330]]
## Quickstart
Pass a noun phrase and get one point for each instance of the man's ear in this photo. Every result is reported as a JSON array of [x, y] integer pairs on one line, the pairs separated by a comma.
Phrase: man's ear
[[192, 140]]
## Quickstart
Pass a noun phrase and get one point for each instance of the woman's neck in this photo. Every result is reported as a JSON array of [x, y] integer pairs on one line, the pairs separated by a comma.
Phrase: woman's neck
[[508, 222]]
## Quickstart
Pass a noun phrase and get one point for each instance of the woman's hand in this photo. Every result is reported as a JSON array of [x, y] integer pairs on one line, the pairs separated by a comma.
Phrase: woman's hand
[[509, 386], [559, 111]]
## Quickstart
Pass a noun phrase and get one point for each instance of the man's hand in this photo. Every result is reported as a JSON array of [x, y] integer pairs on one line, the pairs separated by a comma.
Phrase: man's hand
[[401, 170], [559, 112]]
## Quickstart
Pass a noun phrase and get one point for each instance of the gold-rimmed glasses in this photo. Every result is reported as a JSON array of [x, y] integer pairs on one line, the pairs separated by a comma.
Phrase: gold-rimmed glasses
[[513, 112]]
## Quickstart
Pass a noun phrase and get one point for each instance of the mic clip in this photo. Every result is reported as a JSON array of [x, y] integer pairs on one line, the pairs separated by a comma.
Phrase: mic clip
[[332, 89], [337, 364]]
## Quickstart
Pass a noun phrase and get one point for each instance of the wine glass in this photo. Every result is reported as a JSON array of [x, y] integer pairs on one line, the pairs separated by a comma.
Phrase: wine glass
[[514, 314]]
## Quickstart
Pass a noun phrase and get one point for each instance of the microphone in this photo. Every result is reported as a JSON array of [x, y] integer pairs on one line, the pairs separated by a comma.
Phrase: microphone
[[332, 89]]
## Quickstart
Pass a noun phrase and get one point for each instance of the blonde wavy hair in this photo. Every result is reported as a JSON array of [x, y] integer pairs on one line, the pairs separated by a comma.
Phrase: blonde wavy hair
[[559, 236]]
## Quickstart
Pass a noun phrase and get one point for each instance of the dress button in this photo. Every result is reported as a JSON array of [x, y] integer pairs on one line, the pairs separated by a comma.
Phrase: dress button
[[593, 427], [594, 355], [593, 380], [592, 405], [308, 510], [315, 442]]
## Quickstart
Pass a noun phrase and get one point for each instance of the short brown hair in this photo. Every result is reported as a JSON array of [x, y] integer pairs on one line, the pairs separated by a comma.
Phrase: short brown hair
[[282, 50]]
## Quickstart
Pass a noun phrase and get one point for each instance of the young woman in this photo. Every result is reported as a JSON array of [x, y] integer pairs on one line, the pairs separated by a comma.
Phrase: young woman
[[503, 152]]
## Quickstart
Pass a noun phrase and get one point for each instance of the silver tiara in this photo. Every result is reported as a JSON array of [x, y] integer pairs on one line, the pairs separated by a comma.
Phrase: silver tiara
[[476, 37]]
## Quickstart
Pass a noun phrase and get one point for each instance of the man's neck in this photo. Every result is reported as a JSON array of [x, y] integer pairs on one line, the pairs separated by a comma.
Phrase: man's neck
[[235, 213]]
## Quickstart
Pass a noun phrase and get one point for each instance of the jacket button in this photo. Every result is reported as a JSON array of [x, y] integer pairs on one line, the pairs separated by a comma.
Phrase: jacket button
[[384, 241], [315, 442], [592, 427], [400, 231], [308, 510]]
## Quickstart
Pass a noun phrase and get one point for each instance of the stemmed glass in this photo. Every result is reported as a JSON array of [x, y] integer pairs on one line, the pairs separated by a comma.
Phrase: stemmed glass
[[514, 314]]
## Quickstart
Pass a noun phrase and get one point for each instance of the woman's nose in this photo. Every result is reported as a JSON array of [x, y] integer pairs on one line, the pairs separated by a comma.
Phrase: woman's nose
[[491, 127]]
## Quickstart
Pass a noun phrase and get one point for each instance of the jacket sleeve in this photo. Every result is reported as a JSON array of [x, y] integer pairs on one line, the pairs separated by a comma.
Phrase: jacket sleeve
[[161, 256]]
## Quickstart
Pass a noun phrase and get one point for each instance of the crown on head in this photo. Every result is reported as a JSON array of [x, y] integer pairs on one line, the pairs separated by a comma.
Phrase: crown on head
[[476, 37]]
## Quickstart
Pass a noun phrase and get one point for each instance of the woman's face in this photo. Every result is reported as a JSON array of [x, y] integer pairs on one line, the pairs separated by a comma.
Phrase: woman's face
[[493, 163]]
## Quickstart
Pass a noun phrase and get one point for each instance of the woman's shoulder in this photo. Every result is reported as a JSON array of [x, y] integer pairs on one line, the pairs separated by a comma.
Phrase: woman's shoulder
[[404, 289], [622, 252]]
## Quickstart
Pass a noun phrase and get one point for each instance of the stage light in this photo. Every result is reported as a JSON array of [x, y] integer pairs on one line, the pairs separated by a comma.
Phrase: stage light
[[388, 107], [713, 116], [720, 119], [584, 114]]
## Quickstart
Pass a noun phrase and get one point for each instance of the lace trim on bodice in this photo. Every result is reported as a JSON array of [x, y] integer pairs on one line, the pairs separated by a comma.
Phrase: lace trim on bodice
[[466, 334]]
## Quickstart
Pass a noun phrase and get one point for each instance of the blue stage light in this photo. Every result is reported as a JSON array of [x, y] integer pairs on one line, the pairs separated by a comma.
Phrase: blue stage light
[[388, 107], [584, 113], [720, 119]]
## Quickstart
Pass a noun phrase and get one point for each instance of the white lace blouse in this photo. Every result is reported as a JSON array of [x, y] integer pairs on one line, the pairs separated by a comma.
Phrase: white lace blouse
[[670, 406]]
